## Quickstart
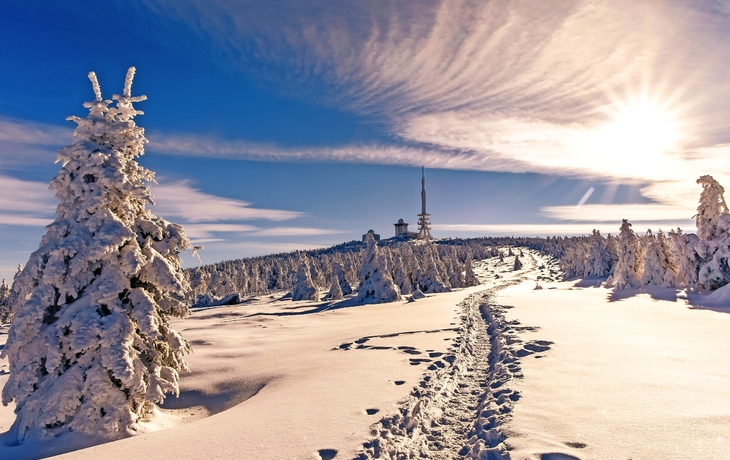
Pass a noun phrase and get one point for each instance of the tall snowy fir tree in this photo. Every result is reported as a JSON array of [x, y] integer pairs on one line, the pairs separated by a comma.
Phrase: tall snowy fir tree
[[711, 208], [376, 284], [713, 230], [629, 267], [91, 349]]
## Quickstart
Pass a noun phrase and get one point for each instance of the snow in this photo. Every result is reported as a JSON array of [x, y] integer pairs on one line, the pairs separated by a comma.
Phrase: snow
[[636, 378], [580, 372]]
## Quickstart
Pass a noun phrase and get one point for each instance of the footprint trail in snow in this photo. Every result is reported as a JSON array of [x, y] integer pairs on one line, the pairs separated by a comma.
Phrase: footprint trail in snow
[[459, 407]]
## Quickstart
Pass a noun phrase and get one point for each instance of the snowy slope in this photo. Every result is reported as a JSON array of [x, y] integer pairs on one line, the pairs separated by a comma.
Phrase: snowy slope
[[555, 373], [635, 378]]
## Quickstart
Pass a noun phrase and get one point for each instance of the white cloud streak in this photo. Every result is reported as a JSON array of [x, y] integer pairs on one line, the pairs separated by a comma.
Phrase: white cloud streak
[[553, 229], [25, 203], [616, 212], [180, 200], [296, 231], [33, 133]]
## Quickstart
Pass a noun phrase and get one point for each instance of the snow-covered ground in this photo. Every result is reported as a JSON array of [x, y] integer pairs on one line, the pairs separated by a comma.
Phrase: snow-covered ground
[[555, 373], [629, 378]]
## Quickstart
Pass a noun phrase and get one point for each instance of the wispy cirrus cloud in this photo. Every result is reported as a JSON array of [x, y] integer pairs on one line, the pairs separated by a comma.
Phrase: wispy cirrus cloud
[[25, 203], [296, 231], [33, 133], [182, 201], [613, 90]]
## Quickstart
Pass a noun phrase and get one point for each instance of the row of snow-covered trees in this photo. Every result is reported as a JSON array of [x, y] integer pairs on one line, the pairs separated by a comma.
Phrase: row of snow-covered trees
[[695, 261], [676, 259], [424, 266]]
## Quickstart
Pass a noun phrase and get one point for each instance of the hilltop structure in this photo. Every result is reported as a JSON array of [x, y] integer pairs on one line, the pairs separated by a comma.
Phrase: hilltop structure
[[401, 229], [424, 223], [376, 236]]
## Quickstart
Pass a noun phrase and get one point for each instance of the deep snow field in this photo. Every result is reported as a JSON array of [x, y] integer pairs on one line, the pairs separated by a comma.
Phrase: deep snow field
[[567, 371]]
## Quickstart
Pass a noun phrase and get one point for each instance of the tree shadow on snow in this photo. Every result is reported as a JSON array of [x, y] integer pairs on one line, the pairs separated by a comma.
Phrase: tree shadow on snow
[[698, 301], [317, 308], [588, 282], [655, 292], [224, 395]]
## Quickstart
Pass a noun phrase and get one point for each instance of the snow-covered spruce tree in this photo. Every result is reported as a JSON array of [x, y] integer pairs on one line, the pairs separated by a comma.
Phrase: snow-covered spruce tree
[[335, 292], [4, 302], [456, 275], [659, 267], [7, 311], [518, 264], [712, 206], [598, 260], [470, 278], [429, 279], [376, 285], [304, 288], [713, 230], [91, 348], [630, 259], [400, 277], [339, 273], [411, 267], [573, 262], [683, 250]]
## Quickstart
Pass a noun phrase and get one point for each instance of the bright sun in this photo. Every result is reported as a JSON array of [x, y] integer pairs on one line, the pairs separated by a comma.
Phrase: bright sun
[[639, 132]]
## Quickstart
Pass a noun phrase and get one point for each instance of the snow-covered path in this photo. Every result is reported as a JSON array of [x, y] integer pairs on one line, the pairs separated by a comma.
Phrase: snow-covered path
[[459, 410]]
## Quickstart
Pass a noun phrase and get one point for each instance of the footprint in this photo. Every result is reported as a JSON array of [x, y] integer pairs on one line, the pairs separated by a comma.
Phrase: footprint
[[435, 354], [576, 445], [411, 351], [522, 353], [345, 346], [327, 454], [372, 411], [363, 340], [399, 382], [536, 348]]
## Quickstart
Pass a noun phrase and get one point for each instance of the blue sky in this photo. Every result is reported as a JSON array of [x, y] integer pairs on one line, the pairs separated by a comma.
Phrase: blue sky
[[280, 125]]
